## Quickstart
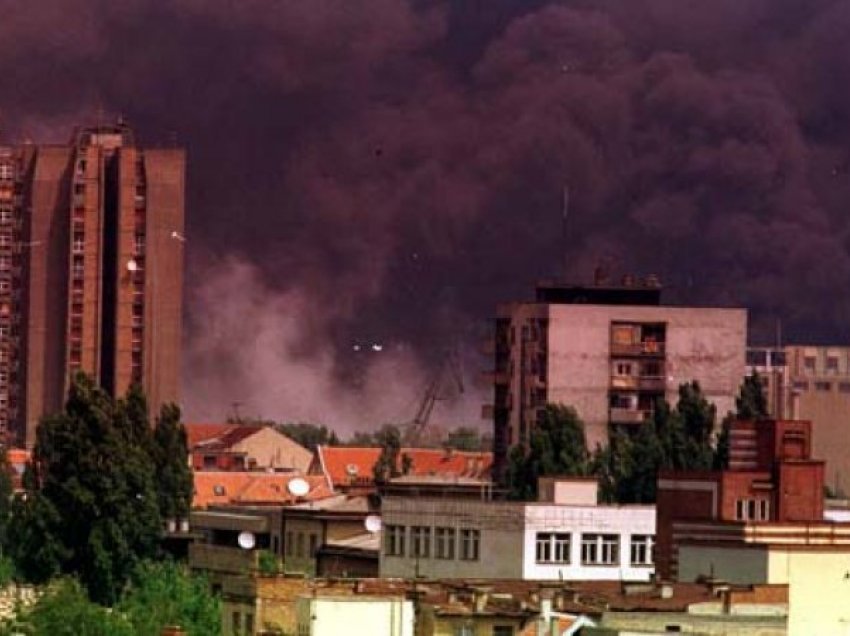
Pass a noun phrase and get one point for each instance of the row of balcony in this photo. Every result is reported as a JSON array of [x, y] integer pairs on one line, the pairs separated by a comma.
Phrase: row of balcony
[[647, 348]]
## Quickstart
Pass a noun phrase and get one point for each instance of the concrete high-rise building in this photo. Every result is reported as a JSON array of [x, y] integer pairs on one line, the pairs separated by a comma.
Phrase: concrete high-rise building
[[91, 271], [610, 352]]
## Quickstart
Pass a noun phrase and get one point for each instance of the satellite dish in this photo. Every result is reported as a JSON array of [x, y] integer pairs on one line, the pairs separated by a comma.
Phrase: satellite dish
[[373, 524], [246, 540], [298, 487], [132, 265]]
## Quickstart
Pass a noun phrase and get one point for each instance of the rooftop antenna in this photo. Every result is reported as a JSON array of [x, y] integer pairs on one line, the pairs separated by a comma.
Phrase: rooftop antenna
[[236, 404], [778, 333], [565, 208]]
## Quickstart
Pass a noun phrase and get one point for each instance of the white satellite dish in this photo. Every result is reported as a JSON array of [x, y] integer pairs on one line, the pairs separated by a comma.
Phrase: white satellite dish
[[298, 487], [132, 265], [246, 540], [373, 524]]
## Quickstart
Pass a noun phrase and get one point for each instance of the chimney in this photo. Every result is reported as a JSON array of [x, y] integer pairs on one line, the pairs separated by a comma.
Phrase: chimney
[[480, 597]]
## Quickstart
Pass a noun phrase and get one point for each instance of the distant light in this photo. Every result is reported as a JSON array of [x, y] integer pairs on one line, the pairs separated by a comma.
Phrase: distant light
[[356, 347], [377, 347]]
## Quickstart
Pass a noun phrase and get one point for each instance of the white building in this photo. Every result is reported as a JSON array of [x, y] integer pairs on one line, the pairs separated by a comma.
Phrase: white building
[[335, 615], [567, 536]]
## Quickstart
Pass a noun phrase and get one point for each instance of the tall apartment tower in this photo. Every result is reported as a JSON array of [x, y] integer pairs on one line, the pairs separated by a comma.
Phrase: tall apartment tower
[[610, 352], [91, 263]]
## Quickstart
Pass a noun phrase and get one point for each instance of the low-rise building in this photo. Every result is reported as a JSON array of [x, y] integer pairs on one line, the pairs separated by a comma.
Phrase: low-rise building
[[761, 522], [335, 615], [567, 536], [253, 488], [244, 447]]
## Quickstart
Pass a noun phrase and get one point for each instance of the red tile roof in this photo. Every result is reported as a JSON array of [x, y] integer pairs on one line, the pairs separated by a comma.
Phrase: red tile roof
[[232, 487], [219, 436], [347, 465]]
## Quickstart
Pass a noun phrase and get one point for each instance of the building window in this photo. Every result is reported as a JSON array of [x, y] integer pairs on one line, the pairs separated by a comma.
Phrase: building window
[[752, 510], [832, 364], [299, 546], [444, 547], [420, 541], [641, 549], [6, 171], [314, 545], [470, 541], [600, 549], [503, 630], [290, 543], [236, 623], [553, 547], [249, 624], [79, 242], [801, 385], [140, 243], [394, 541], [809, 363], [823, 386], [844, 387], [464, 630]]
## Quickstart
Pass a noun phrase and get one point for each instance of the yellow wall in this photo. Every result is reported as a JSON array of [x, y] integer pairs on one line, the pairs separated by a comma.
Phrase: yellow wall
[[819, 590]]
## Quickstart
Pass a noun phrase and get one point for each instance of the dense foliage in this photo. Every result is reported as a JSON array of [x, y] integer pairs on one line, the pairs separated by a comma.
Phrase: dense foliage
[[159, 594], [680, 438], [97, 489]]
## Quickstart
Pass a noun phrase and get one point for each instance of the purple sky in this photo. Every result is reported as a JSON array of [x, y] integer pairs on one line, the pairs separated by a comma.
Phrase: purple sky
[[387, 170]]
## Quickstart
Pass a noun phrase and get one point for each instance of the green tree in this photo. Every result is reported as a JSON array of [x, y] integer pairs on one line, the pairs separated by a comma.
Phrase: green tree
[[387, 465], [464, 438], [174, 476], [65, 610], [751, 403], [166, 593], [92, 491], [556, 446], [310, 436]]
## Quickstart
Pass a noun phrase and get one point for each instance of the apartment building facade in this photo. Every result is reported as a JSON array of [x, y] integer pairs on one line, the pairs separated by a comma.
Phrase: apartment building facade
[[91, 262], [565, 538], [610, 352], [812, 383]]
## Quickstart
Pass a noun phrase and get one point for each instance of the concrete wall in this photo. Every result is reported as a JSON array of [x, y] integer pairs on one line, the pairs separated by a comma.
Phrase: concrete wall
[[702, 344], [744, 566], [819, 589], [623, 521], [376, 616], [272, 449], [660, 623], [501, 542]]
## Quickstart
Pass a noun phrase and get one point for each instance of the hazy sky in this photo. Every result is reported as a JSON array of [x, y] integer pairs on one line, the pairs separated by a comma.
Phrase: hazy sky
[[385, 171]]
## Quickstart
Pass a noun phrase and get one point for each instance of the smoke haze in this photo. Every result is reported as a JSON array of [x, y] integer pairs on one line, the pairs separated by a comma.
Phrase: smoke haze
[[387, 171]]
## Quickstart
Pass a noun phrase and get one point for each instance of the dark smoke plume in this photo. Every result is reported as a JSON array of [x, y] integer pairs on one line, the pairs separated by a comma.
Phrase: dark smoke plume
[[384, 172]]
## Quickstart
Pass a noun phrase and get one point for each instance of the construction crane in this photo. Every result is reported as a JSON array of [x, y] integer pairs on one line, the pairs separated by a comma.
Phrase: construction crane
[[449, 371]]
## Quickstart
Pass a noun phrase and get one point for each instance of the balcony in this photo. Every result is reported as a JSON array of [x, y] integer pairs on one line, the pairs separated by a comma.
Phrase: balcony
[[217, 558], [648, 348], [628, 416]]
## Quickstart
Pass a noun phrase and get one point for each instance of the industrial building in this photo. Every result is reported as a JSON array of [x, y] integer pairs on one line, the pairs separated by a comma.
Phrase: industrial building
[[812, 383], [91, 262], [609, 352]]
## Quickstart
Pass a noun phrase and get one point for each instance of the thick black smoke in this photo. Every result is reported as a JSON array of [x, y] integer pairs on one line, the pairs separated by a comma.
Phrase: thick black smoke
[[384, 172]]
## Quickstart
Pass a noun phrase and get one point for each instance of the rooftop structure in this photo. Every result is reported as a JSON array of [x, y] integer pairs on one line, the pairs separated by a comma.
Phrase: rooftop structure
[[351, 468], [244, 447], [812, 383]]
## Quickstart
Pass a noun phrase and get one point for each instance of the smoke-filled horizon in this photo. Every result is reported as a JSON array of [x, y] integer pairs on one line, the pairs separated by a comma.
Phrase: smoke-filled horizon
[[384, 172]]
